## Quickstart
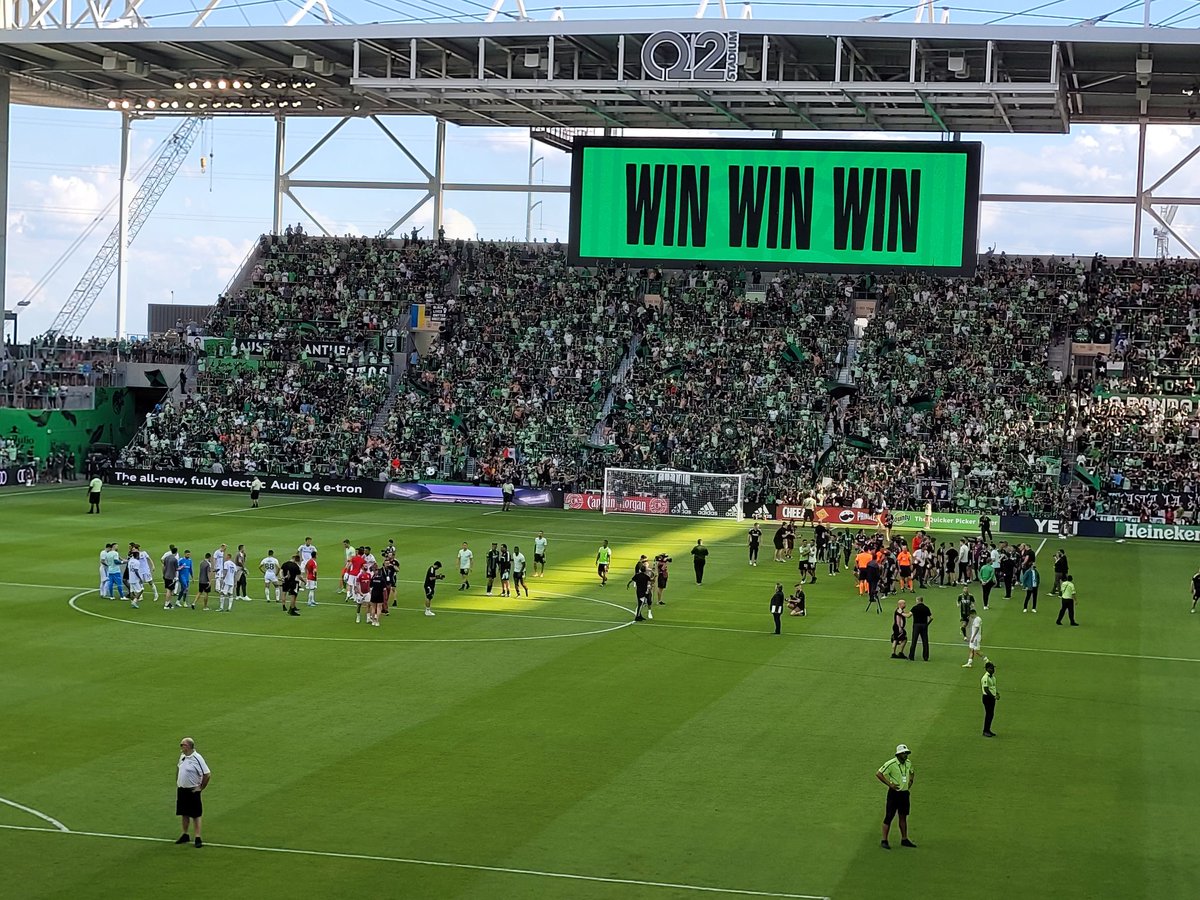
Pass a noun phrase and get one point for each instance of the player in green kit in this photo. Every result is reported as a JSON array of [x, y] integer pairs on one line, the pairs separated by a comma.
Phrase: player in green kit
[[603, 561]]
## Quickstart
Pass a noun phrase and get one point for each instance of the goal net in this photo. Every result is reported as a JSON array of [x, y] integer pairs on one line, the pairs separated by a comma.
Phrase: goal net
[[667, 492]]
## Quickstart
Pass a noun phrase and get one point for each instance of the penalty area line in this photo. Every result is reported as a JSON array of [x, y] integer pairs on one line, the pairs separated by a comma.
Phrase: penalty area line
[[440, 864]]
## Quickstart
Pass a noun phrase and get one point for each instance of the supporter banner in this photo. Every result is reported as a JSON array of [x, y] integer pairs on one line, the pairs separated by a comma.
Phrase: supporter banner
[[1154, 499], [232, 347], [470, 493], [207, 481], [151, 375], [1157, 403], [1150, 532], [1031, 525], [832, 205], [40, 432], [17, 476]]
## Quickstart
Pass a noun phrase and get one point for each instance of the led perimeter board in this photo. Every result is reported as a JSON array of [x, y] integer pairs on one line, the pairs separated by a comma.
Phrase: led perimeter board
[[830, 206]]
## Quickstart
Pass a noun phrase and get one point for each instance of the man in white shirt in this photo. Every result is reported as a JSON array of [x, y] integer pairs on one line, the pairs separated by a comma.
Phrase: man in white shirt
[[190, 782], [218, 566], [539, 555], [974, 638], [270, 569], [464, 566], [104, 588], [256, 487], [306, 550], [146, 568], [226, 584], [518, 567]]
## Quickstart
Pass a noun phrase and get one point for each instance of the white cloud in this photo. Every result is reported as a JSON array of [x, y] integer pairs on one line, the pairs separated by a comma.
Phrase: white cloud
[[65, 204]]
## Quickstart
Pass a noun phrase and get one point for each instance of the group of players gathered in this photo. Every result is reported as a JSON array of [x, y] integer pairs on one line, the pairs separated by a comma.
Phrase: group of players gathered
[[368, 581]]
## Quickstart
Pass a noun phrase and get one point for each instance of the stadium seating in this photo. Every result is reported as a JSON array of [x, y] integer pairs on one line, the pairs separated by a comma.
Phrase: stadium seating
[[955, 391]]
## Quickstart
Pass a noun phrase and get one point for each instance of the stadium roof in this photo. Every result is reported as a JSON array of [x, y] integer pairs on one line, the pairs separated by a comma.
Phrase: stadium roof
[[790, 75]]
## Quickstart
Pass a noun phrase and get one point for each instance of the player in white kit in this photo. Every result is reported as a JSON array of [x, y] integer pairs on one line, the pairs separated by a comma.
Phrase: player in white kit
[[146, 569], [227, 584], [270, 569], [218, 566], [133, 571]]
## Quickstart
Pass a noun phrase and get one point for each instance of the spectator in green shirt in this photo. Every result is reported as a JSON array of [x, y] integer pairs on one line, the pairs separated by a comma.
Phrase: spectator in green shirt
[[897, 774], [987, 580], [1067, 592]]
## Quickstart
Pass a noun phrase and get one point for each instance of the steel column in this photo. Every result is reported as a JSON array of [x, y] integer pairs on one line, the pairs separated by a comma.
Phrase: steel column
[[123, 225], [1141, 189], [280, 188], [4, 106], [439, 175]]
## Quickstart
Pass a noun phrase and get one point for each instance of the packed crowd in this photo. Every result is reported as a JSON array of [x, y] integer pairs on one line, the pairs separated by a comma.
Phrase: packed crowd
[[546, 374]]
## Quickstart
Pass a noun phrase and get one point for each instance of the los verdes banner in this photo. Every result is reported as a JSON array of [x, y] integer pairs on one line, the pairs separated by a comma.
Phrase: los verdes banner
[[831, 205]]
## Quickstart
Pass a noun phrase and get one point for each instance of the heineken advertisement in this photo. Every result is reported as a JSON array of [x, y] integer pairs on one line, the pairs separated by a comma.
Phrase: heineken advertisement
[[1145, 531], [828, 205], [40, 432]]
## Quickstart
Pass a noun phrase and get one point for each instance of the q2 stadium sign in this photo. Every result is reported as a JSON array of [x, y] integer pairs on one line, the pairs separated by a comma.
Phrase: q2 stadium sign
[[825, 205]]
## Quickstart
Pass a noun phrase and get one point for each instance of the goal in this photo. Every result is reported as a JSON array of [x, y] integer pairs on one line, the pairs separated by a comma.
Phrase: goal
[[669, 492]]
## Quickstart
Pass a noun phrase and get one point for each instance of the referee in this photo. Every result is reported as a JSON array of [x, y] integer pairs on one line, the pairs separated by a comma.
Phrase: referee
[[897, 774], [191, 781]]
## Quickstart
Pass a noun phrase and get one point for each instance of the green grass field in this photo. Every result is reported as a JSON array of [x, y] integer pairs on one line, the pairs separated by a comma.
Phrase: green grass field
[[548, 748]]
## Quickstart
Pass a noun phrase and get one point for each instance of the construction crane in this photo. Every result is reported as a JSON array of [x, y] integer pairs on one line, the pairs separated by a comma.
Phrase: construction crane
[[1162, 236], [171, 154]]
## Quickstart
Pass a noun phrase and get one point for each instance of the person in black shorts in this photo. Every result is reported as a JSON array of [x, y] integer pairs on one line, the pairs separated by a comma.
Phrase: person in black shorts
[[985, 527], [492, 567], [432, 577], [378, 596], [390, 574], [290, 574], [204, 587], [795, 603], [755, 537], [900, 630], [778, 541], [661, 564]]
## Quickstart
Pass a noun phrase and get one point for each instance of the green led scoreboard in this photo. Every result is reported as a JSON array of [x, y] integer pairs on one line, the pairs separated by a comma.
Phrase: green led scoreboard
[[826, 205]]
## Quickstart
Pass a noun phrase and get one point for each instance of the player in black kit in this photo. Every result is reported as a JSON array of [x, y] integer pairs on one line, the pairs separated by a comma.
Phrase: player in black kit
[[493, 567], [755, 539], [641, 581], [432, 577]]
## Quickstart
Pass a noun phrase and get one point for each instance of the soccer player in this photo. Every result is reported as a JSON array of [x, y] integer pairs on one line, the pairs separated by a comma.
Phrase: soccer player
[[310, 576], [170, 573], [974, 639], [465, 556], [539, 555], [492, 567], [754, 537], [504, 563], [270, 572], [813, 555], [218, 561], [183, 577], [378, 593], [391, 569], [966, 606], [227, 585], [796, 603], [146, 569], [348, 550], [240, 584], [205, 584], [133, 567], [900, 630], [354, 568], [291, 584], [661, 563], [641, 583], [111, 558], [256, 487], [518, 570], [1195, 589], [603, 561], [432, 577], [362, 592], [306, 550], [778, 541], [104, 592]]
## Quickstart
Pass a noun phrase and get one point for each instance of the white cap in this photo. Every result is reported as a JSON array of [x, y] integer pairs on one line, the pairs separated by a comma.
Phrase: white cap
[[902, 748]]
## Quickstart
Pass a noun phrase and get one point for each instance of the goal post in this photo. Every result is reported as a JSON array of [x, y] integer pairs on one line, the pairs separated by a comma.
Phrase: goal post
[[670, 492]]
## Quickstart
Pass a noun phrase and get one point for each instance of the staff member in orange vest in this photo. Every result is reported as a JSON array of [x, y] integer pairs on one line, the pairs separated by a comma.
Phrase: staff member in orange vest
[[904, 561], [861, 561]]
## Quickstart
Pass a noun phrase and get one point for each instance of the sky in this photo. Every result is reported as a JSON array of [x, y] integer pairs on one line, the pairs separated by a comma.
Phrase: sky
[[63, 168]]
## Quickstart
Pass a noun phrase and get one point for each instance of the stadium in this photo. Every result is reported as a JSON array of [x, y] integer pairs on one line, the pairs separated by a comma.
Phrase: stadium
[[658, 426]]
